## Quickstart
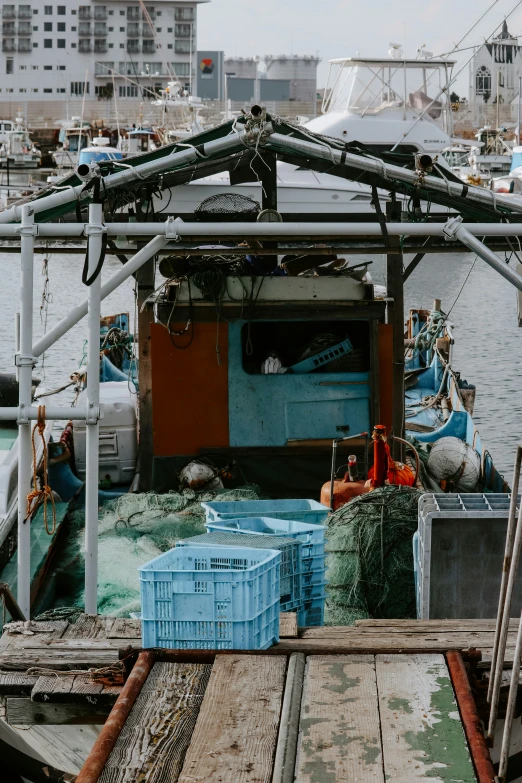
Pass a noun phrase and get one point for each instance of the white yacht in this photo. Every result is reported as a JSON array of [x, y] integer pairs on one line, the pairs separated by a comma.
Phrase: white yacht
[[17, 150], [385, 104]]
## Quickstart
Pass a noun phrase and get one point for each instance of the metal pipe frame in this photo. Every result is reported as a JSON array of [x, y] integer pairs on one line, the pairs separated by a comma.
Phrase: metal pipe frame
[[26, 414], [510, 709], [508, 554], [177, 229], [25, 362], [511, 562]]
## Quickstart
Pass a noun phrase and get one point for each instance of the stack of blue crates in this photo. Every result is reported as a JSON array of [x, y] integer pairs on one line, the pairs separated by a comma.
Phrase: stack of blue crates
[[298, 519], [291, 559], [211, 598]]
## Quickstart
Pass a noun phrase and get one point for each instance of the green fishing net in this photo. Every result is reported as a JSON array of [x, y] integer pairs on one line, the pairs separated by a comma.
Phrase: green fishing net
[[369, 557], [133, 529]]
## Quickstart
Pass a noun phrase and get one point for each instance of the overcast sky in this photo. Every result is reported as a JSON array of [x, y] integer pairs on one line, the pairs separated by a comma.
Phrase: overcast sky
[[337, 28]]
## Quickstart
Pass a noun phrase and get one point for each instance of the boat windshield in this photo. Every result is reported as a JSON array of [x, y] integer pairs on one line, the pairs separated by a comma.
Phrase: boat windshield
[[372, 86], [74, 140]]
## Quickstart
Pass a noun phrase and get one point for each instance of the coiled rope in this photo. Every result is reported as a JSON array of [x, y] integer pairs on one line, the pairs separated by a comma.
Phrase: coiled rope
[[37, 496]]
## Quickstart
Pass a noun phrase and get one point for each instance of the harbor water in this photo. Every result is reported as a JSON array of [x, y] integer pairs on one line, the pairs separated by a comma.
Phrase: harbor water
[[488, 339]]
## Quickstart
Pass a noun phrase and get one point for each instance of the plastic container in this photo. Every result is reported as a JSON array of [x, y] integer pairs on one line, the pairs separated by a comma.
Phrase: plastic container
[[211, 598], [296, 510], [268, 526], [291, 562], [322, 358], [311, 613]]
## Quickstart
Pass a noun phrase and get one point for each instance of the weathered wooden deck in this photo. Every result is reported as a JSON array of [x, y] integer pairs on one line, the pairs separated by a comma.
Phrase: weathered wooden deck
[[372, 702]]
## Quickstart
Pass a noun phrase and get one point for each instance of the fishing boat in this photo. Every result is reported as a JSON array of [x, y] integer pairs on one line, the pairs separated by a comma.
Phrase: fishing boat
[[18, 151], [100, 150], [74, 136], [134, 141]]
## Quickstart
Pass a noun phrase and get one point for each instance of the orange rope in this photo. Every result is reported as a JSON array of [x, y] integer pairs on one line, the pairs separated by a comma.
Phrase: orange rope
[[36, 496]]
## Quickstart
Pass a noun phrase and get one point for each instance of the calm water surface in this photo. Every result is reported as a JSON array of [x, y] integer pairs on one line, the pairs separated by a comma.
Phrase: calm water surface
[[488, 348]]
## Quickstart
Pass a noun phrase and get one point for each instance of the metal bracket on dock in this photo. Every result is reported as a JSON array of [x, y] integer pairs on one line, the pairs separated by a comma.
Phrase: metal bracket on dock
[[94, 229], [22, 360], [450, 229]]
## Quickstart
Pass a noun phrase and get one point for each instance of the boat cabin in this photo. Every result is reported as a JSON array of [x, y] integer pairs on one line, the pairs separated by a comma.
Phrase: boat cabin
[[268, 376]]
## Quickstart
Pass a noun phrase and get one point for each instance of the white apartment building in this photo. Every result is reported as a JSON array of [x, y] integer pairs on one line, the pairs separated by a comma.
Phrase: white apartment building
[[60, 55]]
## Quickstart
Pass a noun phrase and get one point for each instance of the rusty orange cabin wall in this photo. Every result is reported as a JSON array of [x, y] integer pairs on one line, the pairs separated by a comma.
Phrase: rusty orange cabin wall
[[189, 390]]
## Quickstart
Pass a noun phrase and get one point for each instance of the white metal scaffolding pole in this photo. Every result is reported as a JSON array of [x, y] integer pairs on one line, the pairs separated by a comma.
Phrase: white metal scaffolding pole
[[93, 402], [24, 361]]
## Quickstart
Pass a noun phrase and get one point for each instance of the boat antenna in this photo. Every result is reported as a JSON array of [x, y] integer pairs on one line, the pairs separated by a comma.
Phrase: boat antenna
[[448, 85]]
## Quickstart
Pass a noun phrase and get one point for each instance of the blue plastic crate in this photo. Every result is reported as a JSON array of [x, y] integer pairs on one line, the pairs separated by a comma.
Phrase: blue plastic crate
[[309, 578], [297, 510], [305, 532], [311, 612], [291, 561], [322, 358], [211, 598]]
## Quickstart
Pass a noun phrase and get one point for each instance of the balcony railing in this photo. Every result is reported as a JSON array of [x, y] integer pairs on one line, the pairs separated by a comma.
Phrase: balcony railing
[[8, 12], [100, 29], [84, 29], [147, 32], [84, 12], [25, 12], [184, 31], [151, 14], [8, 46], [84, 47], [8, 28], [133, 15], [149, 47], [184, 47], [24, 28], [24, 46], [100, 47], [184, 14], [133, 30], [100, 14], [133, 47]]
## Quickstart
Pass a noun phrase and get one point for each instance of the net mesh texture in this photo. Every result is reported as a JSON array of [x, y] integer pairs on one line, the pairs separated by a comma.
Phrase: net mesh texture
[[369, 557]]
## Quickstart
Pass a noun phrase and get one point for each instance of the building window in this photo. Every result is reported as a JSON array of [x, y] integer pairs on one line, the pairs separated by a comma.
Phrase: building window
[[34, 89], [158, 29], [61, 43], [48, 44], [128, 91], [47, 67], [73, 29], [23, 67], [22, 89], [181, 69], [170, 30], [73, 12], [34, 67], [60, 89], [184, 14], [483, 81], [60, 27], [184, 47], [73, 45], [169, 46], [77, 88], [111, 13], [48, 89], [60, 10], [60, 67], [48, 10], [35, 28], [48, 27], [9, 89], [35, 45], [35, 10], [9, 65]]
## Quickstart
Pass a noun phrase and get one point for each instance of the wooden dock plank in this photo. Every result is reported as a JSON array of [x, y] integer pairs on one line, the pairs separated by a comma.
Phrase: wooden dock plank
[[288, 625], [422, 736], [236, 731], [157, 732], [59, 686], [339, 732], [392, 642], [21, 711], [15, 683]]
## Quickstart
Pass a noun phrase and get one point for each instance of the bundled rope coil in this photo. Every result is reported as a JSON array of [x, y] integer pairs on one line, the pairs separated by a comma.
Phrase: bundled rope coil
[[42, 495]]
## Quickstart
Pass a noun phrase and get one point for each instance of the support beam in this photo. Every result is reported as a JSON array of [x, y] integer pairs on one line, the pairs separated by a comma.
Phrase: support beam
[[25, 363], [269, 181], [92, 458], [395, 290]]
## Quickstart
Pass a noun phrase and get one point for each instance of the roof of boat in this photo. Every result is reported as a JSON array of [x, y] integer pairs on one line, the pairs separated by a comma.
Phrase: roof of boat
[[390, 61]]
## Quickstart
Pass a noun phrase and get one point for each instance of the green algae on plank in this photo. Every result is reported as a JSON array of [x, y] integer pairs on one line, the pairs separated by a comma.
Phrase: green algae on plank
[[443, 740], [371, 747], [403, 705], [320, 771], [337, 672]]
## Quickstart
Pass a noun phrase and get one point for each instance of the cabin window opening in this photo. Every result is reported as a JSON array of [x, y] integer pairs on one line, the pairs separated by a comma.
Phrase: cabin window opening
[[290, 342]]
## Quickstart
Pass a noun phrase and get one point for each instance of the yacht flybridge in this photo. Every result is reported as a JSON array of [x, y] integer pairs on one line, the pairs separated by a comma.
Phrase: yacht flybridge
[[389, 104]]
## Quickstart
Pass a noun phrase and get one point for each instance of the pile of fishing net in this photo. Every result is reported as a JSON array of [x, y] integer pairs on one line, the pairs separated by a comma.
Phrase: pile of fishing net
[[369, 557], [133, 529]]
